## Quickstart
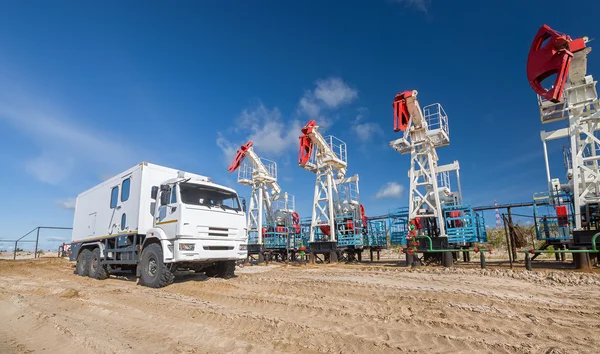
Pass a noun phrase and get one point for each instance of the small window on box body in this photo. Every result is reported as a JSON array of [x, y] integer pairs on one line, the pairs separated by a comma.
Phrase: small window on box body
[[114, 195]]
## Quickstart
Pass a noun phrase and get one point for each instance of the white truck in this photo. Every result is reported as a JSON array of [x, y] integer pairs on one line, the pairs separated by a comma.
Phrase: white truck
[[157, 220]]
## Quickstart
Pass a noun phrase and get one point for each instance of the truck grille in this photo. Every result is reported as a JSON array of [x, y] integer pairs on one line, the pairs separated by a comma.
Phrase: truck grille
[[218, 248], [218, 231]]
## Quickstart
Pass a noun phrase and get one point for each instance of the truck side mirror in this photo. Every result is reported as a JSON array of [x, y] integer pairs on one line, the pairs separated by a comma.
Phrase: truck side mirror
[[154, 192], [244, 205]]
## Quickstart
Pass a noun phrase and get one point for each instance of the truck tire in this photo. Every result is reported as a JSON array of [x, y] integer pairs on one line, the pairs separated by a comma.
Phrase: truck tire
[[222, 269], [212, 271], [227, 270], [97, 270], [155, 273], [83, 260]]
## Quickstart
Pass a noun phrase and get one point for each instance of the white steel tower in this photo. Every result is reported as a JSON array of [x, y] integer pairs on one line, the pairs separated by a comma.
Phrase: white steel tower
[[327, 158], [424, 131], [573, 97], [261, 175]]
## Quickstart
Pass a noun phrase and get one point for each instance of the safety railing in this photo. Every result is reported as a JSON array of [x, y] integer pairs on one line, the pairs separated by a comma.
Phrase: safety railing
[[338, 147], [461, 226], [276, 237], [350, 231], [398, 220], [252, 237], [550, 226], [271, 167], [376, 235], [245, 173], [347, 196], [481, 228], [549, 229], [437, 124]]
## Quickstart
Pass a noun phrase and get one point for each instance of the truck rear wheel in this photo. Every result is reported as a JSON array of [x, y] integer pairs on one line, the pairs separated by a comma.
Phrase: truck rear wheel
[[83, 260], [227, 269], [212, 271], [155, 273], [222, 269], [97, 269]]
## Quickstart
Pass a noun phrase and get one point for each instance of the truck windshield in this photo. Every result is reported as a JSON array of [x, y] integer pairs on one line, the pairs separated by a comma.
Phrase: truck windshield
[[196, 194]]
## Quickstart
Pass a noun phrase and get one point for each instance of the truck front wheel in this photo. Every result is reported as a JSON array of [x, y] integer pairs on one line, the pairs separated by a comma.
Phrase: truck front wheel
[[155, 273], [83, 260], [97, 269]]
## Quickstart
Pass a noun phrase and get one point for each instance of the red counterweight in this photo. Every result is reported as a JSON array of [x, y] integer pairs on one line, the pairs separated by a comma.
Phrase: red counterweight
[[306, 145], [550, 54], [401, 115], [239, 157]]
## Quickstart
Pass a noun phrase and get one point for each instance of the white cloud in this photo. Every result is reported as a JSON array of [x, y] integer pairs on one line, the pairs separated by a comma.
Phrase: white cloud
[[309, 106], [50, 168], [329, 94], [56, 238], [229, 149], [363, 129], [68, 203], [421, 5], [390, 190], [334, 92], [271, 135]]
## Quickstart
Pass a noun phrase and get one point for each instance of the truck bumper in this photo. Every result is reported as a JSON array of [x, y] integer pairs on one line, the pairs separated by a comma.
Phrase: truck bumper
[[207, 250]]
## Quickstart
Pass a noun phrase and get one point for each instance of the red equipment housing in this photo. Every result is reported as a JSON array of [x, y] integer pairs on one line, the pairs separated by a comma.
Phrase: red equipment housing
[[296, 222], [363, 217], [550, 54], [561, 215]]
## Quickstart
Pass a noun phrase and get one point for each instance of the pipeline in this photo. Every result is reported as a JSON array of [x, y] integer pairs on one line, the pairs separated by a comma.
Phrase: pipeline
[[430, 248]]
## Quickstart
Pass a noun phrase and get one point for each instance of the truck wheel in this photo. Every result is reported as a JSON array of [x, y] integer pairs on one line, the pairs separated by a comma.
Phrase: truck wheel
[[154, 272], [97, 270], [226, 269], [212, 271], [83, 259]]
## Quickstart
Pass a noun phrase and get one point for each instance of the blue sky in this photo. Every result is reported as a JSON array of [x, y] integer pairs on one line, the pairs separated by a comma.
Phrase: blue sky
[[89, 90]]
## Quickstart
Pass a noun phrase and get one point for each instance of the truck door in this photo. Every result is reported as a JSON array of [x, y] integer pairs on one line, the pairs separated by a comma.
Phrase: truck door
[[168, 211]]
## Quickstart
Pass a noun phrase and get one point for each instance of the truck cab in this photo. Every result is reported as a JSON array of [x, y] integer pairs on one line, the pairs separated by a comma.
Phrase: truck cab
[[200, 221]]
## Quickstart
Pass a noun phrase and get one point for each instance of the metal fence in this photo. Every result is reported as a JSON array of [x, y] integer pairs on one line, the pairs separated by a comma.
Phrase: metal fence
[[37, 238]]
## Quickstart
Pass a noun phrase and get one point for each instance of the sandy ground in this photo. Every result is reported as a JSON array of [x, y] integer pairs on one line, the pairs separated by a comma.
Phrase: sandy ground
[[44, 307], [27, 255]]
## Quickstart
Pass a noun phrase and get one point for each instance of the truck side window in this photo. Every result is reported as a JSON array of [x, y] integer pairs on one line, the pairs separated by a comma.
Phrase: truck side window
[[165, 196], [114, 194], [173, 198], [123, 221], [125, 189]]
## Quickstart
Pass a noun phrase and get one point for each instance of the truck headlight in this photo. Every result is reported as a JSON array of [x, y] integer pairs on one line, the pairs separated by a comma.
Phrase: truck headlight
[[186, 246], [243, 247]]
